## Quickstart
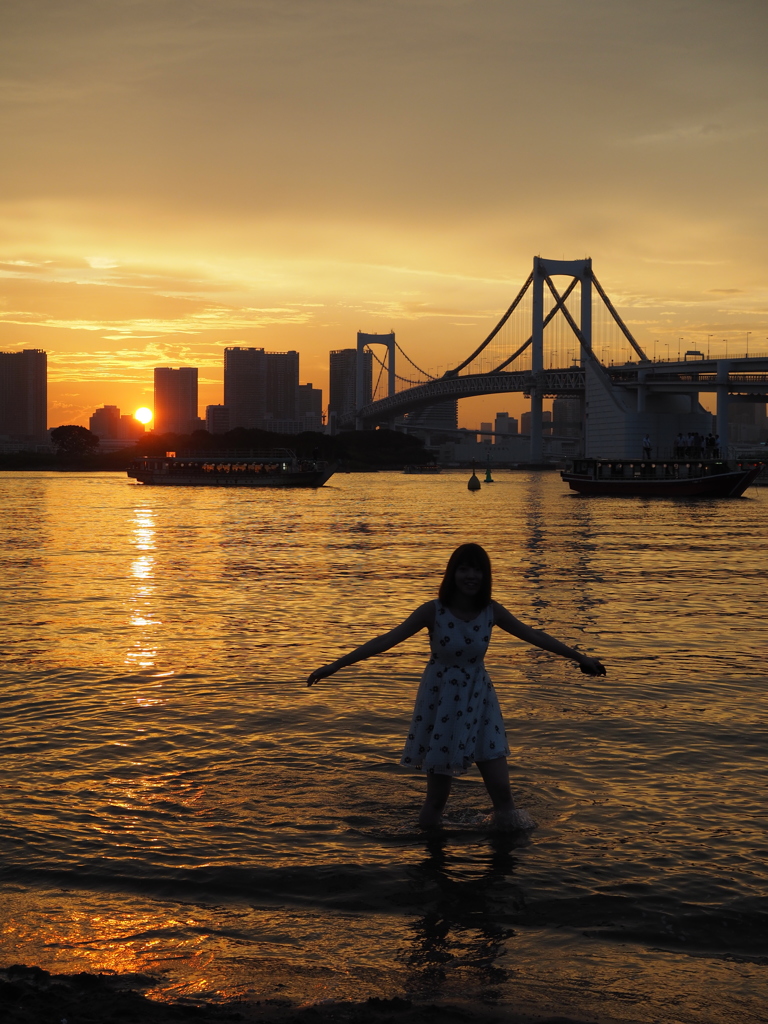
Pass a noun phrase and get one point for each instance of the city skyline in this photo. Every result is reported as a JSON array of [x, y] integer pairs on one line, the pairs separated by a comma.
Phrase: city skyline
[[185, 183]]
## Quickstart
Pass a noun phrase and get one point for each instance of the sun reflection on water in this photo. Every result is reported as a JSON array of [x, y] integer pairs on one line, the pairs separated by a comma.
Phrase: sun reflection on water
[[143, 617]]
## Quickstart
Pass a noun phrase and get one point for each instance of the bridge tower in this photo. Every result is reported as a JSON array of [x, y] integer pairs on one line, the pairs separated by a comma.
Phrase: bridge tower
[[388, 340], [581, 270]]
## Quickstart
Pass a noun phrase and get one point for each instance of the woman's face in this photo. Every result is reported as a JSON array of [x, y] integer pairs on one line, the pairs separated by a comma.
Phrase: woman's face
[[468, 580]]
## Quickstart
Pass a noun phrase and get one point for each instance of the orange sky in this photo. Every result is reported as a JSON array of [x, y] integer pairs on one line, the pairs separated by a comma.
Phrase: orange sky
[[184, 175]]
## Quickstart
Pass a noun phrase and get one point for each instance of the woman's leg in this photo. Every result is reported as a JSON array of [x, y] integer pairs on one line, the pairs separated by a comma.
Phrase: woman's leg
[[496, 778], [438, 790]]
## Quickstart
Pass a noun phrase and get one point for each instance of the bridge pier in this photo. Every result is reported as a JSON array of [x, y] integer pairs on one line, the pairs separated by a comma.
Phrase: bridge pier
[[388, 340], [537, 355], [723, 369], [542, 269]]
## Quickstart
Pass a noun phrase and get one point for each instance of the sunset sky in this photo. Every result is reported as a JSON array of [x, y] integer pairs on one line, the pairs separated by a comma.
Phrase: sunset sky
[[184, 175]]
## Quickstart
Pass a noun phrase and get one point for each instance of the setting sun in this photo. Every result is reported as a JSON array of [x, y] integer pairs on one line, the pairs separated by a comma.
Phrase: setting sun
[[143, 415]]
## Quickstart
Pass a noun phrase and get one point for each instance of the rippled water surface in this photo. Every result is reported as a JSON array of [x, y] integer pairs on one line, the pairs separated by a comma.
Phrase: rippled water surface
[[175, 801]]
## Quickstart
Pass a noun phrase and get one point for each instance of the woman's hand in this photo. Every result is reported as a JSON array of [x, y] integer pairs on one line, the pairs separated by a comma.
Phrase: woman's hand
[[591, 666], [320, 673]]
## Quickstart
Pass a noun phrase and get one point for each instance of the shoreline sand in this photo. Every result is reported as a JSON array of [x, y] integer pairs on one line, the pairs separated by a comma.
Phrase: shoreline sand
[[30, 995]]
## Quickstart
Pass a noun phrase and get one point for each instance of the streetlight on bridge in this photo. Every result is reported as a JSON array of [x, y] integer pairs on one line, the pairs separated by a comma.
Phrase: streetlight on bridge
[[748, 334], [708, 337]]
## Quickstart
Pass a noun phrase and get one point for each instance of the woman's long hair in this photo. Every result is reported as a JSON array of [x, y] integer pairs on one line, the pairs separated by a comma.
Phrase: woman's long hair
[[475, 557]]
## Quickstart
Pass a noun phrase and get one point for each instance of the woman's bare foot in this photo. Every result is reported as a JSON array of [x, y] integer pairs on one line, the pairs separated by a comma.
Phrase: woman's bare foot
[[513, 820], [430, 818]]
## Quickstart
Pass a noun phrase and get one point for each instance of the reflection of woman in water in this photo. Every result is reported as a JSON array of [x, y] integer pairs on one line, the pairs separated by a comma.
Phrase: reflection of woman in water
[[457, 719]]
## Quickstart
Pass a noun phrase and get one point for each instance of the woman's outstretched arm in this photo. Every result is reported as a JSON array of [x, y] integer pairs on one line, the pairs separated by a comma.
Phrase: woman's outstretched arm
[[506, 621], [422, 618]]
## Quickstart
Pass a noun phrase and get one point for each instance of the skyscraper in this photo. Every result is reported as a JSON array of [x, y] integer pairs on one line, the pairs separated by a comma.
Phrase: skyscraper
[[175, 400], [217, 419], [282, 385], [245, 385], [24, 393], [343, 367], [566, 417], [105, 422], [503, 426], [260, 386], [309, 407]]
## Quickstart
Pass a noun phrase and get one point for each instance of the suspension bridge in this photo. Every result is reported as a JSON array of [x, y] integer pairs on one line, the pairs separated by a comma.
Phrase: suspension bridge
[[568, 342]]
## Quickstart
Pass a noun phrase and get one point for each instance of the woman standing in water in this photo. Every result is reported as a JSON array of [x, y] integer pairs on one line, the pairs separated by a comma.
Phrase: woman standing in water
[[457, 719]]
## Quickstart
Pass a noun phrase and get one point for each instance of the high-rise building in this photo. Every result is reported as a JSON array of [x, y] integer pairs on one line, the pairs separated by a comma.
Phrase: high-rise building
[[24, 393], [282, 385], [130, 427], [175, 400], [105, 422], [566, 417], [504, 425], [260, 386], [546, 423], [309, 407], [245, 385], [343, 380], [217, 419], [485, 432]]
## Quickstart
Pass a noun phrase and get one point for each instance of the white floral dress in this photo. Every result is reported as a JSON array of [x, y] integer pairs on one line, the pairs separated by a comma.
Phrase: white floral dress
[[457, 719]]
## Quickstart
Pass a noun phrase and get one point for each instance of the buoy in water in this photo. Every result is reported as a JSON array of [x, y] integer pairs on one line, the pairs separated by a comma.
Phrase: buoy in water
[[474, 483], [488, 478]]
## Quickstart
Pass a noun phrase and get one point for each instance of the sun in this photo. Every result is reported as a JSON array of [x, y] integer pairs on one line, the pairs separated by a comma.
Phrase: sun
[[143, 415]]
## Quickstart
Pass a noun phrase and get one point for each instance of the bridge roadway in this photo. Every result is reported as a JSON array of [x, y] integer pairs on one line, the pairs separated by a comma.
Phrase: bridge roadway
[[745, 376]]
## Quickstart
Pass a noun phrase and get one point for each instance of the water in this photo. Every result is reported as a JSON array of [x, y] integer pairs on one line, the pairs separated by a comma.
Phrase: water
[[176, 802]]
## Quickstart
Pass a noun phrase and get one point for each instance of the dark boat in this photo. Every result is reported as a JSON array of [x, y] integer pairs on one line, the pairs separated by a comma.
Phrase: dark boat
[[279, 467], [705, 478]]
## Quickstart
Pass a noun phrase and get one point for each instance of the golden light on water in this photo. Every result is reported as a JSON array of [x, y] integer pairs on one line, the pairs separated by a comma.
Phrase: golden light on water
[[143, 415]]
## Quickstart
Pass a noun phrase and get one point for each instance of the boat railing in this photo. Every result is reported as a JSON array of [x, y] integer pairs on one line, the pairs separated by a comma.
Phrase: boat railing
[[654, 469]]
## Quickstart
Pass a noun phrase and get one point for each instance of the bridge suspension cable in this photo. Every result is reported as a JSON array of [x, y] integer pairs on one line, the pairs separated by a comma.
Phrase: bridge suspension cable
[[405, 380], [549, 317], [455, 371], [408, 358], [622, 326]]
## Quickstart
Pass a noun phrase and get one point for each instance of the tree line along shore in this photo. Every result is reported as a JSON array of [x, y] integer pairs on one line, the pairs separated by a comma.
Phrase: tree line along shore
[[78, 450]]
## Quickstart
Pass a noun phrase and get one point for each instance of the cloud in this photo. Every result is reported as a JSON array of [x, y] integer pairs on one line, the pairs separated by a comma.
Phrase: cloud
[[201, 322], [693, 135]]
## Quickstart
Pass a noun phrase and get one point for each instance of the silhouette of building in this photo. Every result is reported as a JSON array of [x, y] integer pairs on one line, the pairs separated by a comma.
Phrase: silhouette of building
[[24, 394], [175, 400], [260, 386], [105, 422], [504, 426], [343, 377], [566, 417], [282, 385], [108, 425], [309, 407], [217, 419], [546, 423], [130, 427]]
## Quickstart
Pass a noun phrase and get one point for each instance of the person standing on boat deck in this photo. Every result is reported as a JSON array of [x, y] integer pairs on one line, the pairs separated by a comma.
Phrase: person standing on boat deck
[[647, 447], [457, 720]]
